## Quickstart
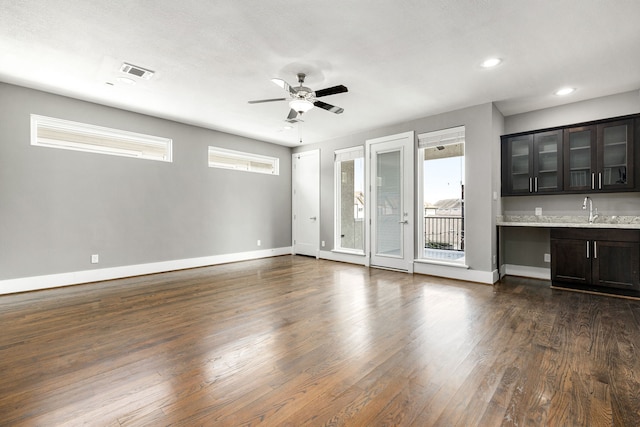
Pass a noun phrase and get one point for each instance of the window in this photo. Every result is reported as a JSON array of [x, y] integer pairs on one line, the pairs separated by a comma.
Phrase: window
[[350, 200], [441, 171], [67, 135], [237, 160]]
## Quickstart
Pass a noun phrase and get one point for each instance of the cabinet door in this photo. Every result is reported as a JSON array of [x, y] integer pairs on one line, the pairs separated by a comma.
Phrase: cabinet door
[[571, 261], [547, 162], [517, 176], [615, 156], [579, 158], [616, 264]]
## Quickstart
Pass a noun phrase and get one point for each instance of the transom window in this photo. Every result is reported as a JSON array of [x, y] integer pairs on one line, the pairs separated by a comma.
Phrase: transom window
[[238, 160], [68, 135]]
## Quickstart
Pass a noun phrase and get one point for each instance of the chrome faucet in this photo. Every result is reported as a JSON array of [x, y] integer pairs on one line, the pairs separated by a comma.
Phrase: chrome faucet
[[592, 216]]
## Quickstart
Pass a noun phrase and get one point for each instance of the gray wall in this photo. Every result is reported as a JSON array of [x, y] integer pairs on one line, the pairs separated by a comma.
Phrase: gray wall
[[58, 207], [514, 240], [483, 126]]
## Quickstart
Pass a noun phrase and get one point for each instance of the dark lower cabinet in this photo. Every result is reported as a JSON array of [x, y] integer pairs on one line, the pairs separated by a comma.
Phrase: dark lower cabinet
[[596, 259]]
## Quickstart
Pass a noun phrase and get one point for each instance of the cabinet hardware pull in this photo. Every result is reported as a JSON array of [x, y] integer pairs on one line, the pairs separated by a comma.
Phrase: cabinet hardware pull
[[530, 188], [587, 249], [593, 181], [536, 184], [599, 180], [595, 249]]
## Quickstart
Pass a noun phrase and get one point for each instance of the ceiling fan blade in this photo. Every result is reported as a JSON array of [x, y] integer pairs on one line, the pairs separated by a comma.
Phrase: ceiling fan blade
[[328, 107], [331, 91], [292, 114], [267, 100], [284, 85]]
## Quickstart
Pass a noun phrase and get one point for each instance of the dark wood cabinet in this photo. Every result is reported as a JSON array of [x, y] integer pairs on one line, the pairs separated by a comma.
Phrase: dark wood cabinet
[[579, 158], [569, 260], [532, 163], [587, 158], [596, 258], [599, 157]]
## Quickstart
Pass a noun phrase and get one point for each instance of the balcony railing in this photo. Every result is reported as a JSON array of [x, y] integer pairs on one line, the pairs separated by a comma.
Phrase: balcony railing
[[444, 232]]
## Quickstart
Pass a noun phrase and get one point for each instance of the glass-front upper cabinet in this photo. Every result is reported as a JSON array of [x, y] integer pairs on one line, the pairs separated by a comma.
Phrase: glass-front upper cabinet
[[579, 158], [599, 157], [547, 162], [532, 163], [591, 157], [615, 156], [517, 165]]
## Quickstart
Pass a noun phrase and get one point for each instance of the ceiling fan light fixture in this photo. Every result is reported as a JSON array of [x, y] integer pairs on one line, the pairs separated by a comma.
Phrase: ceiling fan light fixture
[[301, 105]]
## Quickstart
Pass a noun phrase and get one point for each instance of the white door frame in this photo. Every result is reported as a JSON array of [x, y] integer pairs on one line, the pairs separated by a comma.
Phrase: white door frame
[[405, 143], [305, 203]]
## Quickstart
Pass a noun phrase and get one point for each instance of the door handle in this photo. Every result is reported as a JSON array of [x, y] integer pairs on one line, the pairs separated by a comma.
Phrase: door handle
[[406, 221], [313, 218], [587, 249]]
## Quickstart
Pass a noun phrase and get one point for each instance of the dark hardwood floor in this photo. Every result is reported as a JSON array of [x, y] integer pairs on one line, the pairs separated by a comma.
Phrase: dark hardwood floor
[[293, 341]]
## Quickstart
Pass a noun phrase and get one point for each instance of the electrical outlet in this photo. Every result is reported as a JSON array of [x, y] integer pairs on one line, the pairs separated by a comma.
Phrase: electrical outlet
[[259, 242], [495, 259], [538, 211], [547, 257], [323, 243], [95, 258]]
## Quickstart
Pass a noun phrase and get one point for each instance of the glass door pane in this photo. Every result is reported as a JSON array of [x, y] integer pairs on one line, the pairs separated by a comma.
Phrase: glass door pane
[[579, 153], [389, 225], [614, 162], [520, 172], [547, 161], [443, 202]]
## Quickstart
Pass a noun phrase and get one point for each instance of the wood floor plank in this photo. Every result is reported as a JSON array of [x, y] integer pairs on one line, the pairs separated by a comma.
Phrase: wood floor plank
[[295, 341]]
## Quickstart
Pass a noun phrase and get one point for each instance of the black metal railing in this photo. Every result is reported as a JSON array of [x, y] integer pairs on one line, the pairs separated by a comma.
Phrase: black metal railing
[[444, 232]]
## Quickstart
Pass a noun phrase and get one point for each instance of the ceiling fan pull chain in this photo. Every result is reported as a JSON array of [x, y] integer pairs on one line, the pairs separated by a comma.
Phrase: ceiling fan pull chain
[[300, 131]]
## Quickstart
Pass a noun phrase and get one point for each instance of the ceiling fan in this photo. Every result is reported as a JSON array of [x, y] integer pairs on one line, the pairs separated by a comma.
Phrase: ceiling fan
[[302, 99]]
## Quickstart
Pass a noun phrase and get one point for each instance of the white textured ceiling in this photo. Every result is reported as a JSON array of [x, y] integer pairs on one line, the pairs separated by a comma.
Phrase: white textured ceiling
[[401, 60]]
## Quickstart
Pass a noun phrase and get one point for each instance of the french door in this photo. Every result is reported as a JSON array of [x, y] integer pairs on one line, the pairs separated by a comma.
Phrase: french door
[[391, 212]]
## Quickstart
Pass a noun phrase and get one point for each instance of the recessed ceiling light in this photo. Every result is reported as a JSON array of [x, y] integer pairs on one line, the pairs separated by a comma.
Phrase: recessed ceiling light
[[565, 91], [491, 62]]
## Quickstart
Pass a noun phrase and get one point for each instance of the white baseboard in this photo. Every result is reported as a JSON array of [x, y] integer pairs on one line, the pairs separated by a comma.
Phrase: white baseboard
[[24, 284], [526, 271], [343, 257], [450, 272], [440, 270]]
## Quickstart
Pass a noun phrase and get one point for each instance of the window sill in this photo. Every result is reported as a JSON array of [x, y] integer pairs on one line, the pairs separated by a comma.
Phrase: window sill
[[348, 252], [444, 263]]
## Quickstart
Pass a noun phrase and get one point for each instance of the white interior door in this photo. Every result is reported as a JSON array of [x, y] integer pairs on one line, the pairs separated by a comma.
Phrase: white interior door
[[391, 213], [306, 203]]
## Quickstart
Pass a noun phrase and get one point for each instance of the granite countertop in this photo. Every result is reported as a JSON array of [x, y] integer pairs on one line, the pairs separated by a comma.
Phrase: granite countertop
[[582, 221]]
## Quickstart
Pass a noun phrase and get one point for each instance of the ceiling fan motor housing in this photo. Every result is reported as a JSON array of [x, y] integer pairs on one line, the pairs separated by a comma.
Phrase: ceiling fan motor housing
[[303, 98]]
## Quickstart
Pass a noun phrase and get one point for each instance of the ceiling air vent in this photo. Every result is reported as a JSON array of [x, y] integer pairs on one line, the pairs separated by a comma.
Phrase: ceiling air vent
[[134, 70]]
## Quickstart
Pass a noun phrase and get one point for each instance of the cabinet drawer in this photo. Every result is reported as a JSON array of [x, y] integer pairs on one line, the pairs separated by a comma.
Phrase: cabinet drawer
[[602, 234]]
